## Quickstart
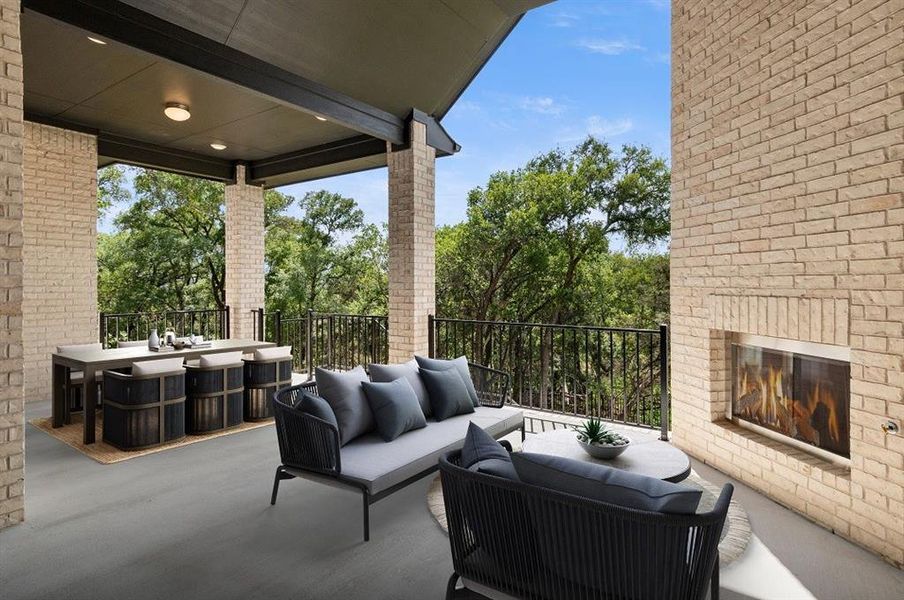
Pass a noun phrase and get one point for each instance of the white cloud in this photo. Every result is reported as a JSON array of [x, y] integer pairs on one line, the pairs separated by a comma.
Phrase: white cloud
[[599, 127], [564, 20], [609, 47], [541, 104]]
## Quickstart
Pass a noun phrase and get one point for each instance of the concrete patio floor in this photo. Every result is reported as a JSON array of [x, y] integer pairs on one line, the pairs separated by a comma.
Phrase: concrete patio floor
[[195, 522]]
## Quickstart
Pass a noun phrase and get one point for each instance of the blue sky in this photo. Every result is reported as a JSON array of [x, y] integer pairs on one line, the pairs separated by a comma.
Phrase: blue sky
[[568, 69]]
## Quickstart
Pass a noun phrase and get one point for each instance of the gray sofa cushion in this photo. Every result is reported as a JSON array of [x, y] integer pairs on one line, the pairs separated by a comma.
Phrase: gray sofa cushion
[[460, 364], [599, 482], [317, 407], [395, 407], [448, 394], [408, 370], [378, 465], [497, 467], [343, 392]]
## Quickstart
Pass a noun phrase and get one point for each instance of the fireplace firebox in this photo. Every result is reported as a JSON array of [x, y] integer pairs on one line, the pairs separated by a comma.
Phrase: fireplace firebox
[[800, 396]]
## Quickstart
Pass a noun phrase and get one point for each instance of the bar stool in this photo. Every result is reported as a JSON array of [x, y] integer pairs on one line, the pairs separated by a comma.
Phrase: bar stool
[[213, 392], [144, 405], [268, 371]]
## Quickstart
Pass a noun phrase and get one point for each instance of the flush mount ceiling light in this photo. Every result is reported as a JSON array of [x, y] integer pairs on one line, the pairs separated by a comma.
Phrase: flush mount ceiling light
[[319, 118], [176, 111], [218, 145], [97, 41]]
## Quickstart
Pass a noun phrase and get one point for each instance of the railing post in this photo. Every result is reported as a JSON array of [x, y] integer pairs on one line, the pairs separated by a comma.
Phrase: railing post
[[431, 336], [329, 343], [260, 324], [309, 356], [103, 330], [227, 323], [664, 382], [277, 324]]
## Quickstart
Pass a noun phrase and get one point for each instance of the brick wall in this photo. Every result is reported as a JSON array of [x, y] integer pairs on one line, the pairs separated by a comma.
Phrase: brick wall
[[244, 253], [788, 220], [60, 253], [12, 410], [412, 273]]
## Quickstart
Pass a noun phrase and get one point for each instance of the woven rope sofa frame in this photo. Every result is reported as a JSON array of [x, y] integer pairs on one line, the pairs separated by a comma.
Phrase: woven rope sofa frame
[[261, 380], [511, 539], [309, 447], [142, 412], [214, 397]]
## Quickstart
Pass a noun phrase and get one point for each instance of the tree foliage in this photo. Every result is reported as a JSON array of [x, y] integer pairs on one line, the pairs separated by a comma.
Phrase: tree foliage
[[535, 245]]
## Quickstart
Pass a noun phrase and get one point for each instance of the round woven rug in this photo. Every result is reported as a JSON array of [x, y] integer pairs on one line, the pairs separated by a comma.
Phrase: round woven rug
[[735, 534]]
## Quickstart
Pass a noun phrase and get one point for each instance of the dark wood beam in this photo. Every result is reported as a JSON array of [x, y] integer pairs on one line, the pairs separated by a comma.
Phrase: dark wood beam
[[117, 21], [141, 154], [361, 146]]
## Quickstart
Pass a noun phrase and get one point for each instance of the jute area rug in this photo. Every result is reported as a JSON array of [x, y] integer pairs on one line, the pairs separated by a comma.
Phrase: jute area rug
[[106, 454], [735, 534]]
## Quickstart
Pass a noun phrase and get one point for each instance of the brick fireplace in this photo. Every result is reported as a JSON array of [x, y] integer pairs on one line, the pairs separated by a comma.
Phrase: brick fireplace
[[788, 226]]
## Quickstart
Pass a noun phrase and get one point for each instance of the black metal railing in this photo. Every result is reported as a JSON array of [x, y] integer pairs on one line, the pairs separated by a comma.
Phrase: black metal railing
[[213, 324], [334, 341], [616, 374]]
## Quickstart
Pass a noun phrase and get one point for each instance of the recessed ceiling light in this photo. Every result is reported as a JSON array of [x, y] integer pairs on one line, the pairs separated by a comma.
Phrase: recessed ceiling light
[[176, 111], [97, 41], [319, 118], [218, 146]]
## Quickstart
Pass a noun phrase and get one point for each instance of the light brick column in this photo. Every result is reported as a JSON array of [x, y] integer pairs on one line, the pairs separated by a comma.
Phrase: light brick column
[[12, 409], [60, 251], [412, 290], [244, 253]]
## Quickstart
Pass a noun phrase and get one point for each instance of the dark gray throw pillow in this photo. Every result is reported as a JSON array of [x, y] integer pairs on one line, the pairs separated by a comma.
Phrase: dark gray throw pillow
[[343, 392], [316, 407], [460, 364], [395, 407], [408, 370], [448, 394], [496, 467], [480, 445], [599, 482]]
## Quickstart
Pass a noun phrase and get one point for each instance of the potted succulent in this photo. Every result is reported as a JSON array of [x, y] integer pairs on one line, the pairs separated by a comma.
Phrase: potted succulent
[[599, 441]]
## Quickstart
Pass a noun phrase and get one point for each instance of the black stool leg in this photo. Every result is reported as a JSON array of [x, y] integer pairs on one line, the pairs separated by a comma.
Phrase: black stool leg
[[366, 500]]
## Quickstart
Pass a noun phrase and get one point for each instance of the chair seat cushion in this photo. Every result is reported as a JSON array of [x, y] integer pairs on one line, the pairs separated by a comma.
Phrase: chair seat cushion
[[343, 391], [220, 359], [460, 365], [378, 465], [448, 394], [395, 407], [156, 367], [599, 482], [408, 370], [273, 352]]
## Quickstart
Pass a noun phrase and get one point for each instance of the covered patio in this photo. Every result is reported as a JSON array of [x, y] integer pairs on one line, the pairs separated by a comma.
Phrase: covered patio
[[787, 229]]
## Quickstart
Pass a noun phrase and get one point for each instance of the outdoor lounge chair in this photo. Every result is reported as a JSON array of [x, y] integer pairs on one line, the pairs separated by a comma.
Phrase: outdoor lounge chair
[[309, 447], [510, 539]]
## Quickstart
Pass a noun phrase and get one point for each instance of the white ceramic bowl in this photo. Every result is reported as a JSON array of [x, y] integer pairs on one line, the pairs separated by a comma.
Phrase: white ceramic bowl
[[604, 452]]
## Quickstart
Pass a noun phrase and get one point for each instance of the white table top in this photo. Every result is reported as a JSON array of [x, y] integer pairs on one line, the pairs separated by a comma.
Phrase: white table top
[[140, 353]]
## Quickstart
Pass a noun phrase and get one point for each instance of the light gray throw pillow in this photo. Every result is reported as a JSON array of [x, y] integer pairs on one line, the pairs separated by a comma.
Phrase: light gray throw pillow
[[460, 364], [395, 407], [408, 370], [343, 392]]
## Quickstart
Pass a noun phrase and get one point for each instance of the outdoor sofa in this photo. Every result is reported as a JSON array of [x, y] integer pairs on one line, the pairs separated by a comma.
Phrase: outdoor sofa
[[534, 526], [310, 446]]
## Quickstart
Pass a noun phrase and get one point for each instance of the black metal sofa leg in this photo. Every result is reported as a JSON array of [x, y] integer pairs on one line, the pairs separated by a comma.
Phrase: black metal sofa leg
[[450, 587], [714, 582], [366, 500], [280, 475]]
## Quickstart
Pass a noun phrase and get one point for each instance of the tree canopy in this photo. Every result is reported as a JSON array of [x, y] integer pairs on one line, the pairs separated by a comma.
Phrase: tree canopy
[[536, 244]]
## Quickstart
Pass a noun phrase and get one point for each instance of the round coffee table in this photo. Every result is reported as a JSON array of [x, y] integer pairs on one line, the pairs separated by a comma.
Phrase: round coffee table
[[647, 454]]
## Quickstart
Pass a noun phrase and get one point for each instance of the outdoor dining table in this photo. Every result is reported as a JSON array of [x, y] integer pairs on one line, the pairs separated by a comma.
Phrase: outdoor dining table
[[91, 361]]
